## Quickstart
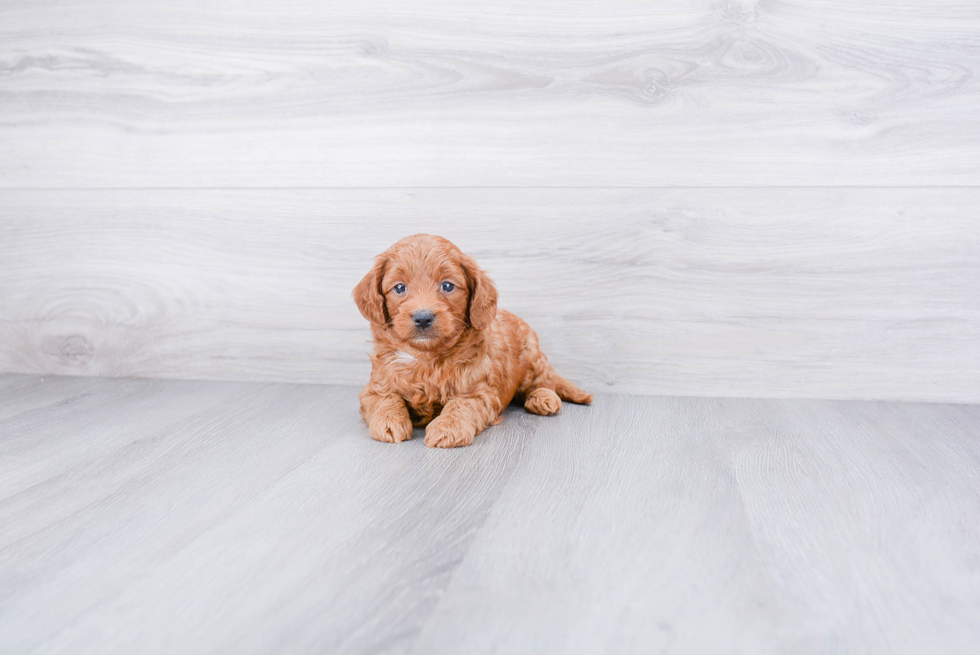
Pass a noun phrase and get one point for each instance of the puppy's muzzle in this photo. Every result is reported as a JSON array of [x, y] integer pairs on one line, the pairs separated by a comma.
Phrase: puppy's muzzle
[[423, 319]]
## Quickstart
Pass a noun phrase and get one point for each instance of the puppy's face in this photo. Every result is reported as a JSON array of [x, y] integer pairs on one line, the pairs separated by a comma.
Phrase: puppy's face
[[426, 293], [426, 299]]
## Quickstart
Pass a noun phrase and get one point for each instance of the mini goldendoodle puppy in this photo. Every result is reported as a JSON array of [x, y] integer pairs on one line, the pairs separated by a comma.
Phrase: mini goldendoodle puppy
[[444, 355]]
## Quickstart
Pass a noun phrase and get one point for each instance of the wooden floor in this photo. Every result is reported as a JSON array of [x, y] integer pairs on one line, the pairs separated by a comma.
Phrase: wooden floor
[[148, 516]]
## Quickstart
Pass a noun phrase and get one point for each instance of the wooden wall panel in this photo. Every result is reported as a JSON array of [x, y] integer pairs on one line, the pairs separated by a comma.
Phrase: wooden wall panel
[[724, 198], [789, 292], [307, 93]]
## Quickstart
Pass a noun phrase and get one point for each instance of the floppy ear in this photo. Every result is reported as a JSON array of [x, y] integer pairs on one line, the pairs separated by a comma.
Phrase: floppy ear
[[483, 295], [369, 296]]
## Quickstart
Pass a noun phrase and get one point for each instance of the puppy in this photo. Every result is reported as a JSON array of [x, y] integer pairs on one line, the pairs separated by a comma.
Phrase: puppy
[[445, 357]]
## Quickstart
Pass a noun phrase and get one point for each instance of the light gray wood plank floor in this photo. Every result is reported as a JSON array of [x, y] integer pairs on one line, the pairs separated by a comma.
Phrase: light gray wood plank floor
[[149, 516]]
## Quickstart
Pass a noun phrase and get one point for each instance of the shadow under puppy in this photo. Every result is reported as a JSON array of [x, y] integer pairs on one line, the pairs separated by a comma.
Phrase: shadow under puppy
[[445, 356]]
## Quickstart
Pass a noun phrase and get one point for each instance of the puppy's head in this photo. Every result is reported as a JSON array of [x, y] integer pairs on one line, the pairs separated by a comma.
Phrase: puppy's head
[[425, 293]]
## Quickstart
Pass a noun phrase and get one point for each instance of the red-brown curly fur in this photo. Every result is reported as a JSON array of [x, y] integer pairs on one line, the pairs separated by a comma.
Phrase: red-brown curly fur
[[458, 375]]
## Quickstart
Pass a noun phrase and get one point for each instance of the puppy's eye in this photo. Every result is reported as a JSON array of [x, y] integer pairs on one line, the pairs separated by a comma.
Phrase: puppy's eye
[[399, 288], [448, 286]]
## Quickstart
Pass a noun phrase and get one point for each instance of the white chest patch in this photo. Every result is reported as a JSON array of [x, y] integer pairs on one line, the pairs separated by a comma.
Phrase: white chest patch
[[402, 357]]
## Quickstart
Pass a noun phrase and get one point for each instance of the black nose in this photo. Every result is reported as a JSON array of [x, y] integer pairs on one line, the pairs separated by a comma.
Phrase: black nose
[[423, 318]]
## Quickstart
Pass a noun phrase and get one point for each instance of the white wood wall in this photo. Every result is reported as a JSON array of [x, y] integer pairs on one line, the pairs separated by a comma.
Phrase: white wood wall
[[712, 198]]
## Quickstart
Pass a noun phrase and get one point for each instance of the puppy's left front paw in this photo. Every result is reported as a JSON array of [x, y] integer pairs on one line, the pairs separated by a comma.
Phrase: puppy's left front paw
[[443, 432]]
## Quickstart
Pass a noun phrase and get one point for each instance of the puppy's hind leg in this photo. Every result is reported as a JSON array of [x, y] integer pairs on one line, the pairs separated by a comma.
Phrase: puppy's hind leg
[[542, 401], [568, 391], [543, 395]]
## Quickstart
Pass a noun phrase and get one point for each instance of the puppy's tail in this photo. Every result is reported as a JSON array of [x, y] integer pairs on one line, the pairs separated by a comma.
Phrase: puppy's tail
[[568, 391]]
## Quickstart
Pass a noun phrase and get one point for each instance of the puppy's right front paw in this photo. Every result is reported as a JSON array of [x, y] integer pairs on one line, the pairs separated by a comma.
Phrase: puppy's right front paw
[[391, 429]]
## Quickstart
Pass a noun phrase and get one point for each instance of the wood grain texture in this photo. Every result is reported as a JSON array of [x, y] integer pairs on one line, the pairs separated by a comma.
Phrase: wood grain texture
[[846, 293], [200, 517], [533, 93]]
